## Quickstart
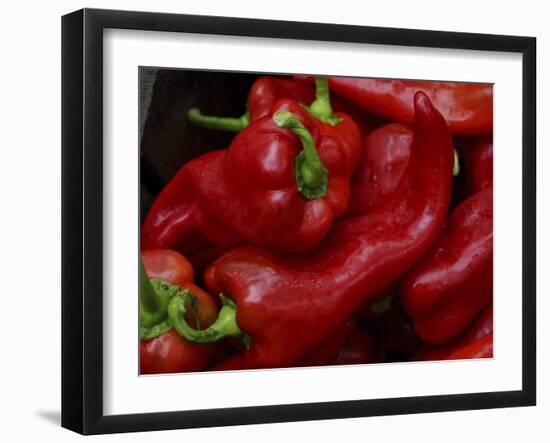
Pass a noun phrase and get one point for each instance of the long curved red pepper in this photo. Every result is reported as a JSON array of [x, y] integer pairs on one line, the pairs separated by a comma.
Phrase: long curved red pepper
[[466, 107], [274, 187], [451, 284], [287, 304]]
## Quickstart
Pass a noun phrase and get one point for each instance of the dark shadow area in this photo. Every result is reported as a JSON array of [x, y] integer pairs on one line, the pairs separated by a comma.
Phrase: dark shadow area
[[54, 417]]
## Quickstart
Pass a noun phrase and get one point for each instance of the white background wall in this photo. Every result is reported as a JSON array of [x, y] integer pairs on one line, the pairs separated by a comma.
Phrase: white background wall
[[30, 219]]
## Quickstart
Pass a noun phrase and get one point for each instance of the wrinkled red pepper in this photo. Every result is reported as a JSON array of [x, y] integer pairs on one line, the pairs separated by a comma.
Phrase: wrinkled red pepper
[[477, 159], [480, 327], [287, 304], [162, 349], [452, 283], [280, 184], [466, 107], [385, 156]]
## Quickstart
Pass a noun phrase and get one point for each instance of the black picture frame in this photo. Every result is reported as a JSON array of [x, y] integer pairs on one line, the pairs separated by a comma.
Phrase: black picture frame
[[82, 218]]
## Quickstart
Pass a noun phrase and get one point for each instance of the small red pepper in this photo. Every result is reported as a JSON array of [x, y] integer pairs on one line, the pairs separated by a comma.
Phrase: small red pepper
[[165, 274], [288, 304], [385, 156], [281, 184], [359, 348], [481, 348], [477, 158], [480, 327], [454, 281], [466, 107]]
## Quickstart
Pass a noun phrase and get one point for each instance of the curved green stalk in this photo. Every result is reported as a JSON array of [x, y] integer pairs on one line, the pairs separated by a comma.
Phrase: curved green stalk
[[232, 124], [224, 326], [321, 107], [311, 173]]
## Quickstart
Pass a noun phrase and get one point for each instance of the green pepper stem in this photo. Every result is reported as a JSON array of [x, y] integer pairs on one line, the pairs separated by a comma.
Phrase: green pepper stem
[[321, 107], [456, 166], [154, 296], [224, 326], [232, 124], [311, 173]]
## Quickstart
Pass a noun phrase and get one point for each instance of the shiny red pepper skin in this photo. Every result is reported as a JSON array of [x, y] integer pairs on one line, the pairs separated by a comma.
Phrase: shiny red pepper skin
[[287, 304], [249, 193], [480, 327], [467, 107], [385, 156], [454, 281], [477, 162], [266, 91]]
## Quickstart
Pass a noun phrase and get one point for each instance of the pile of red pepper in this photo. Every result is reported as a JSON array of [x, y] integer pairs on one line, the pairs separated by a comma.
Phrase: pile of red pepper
[[349, 221]]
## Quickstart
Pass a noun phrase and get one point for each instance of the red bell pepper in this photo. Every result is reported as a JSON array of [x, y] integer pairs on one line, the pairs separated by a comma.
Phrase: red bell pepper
[[452, 283], [466, 107], [288, 304], [480, 327], [280, 184], [477, 158], [385, 156], [265, 92], [165, 274]]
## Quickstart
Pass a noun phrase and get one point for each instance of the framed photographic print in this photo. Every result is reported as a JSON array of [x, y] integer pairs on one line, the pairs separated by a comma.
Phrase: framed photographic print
[[291, 221]]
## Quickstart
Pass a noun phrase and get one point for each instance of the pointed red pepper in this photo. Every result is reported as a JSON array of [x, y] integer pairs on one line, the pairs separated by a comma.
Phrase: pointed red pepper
[[454, 281], [466, 107], [280, 184], [287, 304]]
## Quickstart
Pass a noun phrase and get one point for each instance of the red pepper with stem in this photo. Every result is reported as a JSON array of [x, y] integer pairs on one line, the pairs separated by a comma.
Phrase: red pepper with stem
[[280, 184], [469, 340], [265, 92], [466, 107], [450, 285], [287, 304], [164, 274]]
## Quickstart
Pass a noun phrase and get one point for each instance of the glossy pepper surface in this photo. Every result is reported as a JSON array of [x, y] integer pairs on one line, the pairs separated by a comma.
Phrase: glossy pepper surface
[[467, 107], [385, 156], [281, 183], [452, 283], [287, 304]]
